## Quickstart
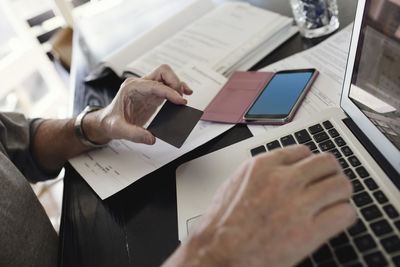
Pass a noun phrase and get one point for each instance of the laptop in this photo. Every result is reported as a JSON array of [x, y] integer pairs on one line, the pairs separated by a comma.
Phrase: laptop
[[364, 134]]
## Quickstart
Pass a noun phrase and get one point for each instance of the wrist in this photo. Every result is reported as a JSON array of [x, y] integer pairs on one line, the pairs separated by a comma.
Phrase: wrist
[[200, 250], [92, 128]]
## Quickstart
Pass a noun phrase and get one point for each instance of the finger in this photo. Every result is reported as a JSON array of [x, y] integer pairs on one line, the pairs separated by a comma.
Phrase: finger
[[137, 134], [317, 167], [163, 91], [186, 89], [328, 191], [333, 220], [289, 155], [167, 76]]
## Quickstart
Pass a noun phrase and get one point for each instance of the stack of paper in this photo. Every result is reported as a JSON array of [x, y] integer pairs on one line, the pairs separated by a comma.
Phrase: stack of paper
[[229, 37]]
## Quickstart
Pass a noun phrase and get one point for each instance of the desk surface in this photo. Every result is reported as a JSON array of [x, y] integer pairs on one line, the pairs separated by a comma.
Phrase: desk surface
[[138, 226]]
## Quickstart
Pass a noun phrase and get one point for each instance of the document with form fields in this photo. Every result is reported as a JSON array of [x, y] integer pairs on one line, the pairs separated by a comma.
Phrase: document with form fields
[[196, 190], [228, 37], [112, 168]]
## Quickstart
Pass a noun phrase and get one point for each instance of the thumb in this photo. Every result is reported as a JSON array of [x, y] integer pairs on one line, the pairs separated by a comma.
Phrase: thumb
[[134, 133]]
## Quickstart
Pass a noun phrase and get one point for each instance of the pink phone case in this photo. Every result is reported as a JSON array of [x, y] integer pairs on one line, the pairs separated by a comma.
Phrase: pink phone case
[[237, 95]]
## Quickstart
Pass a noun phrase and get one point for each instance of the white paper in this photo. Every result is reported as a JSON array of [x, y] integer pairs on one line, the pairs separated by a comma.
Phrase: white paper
[[329, 58], [119, 164], [139, 18], [119, 60], [213, 39]]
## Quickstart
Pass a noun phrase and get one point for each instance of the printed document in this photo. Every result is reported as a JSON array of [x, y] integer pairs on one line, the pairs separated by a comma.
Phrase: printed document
[[213, 39], [119, 164], [228, 37]]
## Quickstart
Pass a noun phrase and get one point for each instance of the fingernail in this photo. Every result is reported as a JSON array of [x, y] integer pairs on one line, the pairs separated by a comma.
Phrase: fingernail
[[150, 140]]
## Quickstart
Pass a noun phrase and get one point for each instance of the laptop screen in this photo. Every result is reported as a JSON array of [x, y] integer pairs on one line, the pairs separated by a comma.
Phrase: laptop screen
[[375, 81]]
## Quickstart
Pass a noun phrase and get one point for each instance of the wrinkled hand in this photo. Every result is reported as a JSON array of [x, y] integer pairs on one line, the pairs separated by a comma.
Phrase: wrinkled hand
[[134, 104], [277, 208]]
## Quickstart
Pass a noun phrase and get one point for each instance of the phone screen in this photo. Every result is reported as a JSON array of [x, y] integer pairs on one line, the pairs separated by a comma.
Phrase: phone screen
[[281, 94]]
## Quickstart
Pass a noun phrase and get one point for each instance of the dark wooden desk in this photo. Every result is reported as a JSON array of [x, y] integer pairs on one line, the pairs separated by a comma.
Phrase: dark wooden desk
[[138, 226]]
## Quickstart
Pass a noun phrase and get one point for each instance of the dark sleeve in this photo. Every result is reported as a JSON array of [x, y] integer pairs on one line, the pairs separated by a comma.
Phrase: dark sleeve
[[16, 134]]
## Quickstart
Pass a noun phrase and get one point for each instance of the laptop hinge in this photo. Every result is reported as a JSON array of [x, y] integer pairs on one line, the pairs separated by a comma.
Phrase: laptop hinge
[[379, 158]]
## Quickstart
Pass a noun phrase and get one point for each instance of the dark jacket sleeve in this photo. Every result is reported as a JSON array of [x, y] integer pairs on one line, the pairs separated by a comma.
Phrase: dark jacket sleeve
[[16, 135]]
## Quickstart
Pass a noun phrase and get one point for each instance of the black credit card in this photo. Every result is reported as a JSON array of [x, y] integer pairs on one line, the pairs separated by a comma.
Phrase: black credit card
[[174, 123]]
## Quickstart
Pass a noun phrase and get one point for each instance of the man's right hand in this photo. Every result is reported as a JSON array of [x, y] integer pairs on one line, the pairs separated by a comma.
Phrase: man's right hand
[[275, 210]]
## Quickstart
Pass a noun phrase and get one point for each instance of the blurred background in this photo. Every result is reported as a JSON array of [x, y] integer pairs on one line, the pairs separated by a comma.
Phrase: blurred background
[[35, 57]]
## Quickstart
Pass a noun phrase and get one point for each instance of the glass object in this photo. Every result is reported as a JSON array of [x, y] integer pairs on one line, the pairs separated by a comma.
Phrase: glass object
[[315, 18]]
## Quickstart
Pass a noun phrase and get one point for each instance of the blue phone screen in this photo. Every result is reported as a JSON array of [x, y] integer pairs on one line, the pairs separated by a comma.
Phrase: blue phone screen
[[281, 93]]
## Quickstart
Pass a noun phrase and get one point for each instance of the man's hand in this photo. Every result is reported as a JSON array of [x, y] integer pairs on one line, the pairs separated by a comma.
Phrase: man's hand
[[134, 104], [276, 209]]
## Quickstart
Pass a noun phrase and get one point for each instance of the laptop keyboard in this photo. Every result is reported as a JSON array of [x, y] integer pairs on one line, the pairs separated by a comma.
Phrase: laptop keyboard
[[374, 239]]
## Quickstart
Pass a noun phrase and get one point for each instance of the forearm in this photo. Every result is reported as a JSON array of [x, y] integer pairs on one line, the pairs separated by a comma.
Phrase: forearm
[[55, 141], [190, 255]]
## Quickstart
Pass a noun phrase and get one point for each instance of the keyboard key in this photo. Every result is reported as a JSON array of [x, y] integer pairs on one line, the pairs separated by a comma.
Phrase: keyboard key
[[273, 145], [345, 254], [327, 145], [370, 183], [288, 140], [391, 211], [322, 254], [333, 133], [396, 261], [381, 227], [362, 172], [346, 151], [327, 124], [343, 163], [364, 243], [356, 264], [306, 263], [375, 259], [362, 199], [349, 172], [339, 141], [397, 225], [357, 186], [316, 151], [357, 228], [339, 240], [354, 161], [315, 129], [336, 153], [330, 263], [311, 145], [380, 197], [302, 136], [258, 150], [391, 244], [319, 137], [371, 212]]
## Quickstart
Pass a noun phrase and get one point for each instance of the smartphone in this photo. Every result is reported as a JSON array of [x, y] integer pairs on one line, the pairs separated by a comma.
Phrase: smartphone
[[282, 96]]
